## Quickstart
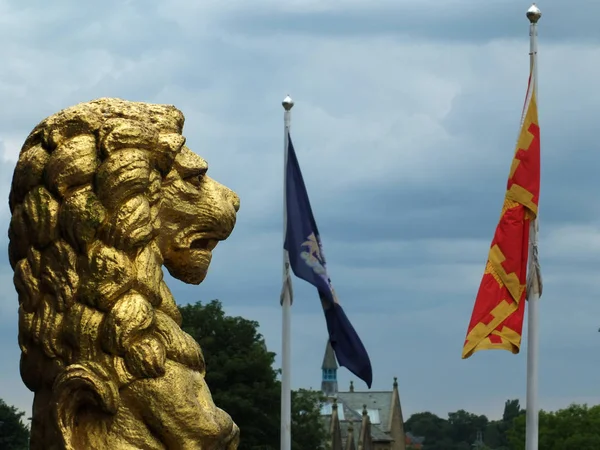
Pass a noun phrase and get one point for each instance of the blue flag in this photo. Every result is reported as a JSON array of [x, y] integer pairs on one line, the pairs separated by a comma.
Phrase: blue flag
[[303, 244]]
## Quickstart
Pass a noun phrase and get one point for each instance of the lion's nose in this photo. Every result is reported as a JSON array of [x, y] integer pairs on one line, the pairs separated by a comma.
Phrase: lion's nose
[[223, 192], [234, 199]]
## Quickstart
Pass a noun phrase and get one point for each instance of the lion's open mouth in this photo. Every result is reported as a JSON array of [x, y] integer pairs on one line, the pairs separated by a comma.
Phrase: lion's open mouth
[[204, 244]]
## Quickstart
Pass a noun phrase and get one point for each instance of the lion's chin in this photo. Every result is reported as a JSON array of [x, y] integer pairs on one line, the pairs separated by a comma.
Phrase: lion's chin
[[188, 265]]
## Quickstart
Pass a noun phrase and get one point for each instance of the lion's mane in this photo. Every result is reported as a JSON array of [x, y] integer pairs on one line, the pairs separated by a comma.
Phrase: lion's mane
[[95, 313]]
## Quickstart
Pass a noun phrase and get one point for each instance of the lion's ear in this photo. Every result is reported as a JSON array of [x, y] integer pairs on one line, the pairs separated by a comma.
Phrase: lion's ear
[[169, 147]]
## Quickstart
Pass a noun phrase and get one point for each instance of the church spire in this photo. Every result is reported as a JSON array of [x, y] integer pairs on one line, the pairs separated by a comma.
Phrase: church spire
[[329, 372], [329, 361]]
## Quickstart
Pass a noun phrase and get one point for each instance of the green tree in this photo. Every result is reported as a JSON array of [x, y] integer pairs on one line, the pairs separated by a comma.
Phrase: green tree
[[458, 432], [464, 427], [434, 429], [428, 425], [14, 435], [574, 428], [239, 371], [308, 430], [512, 410], [495, 433], [243, 382]]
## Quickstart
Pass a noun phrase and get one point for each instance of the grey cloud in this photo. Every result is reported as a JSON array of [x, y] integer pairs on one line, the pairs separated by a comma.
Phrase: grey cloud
[[450, 22], [469, 208], [131, 28]]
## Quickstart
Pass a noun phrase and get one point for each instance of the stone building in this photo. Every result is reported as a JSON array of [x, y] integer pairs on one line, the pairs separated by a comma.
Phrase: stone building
[[357, 420]]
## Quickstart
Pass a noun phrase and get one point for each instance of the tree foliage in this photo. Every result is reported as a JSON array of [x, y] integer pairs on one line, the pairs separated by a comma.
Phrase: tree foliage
[[243, 382], [465, 425], [239, 371], [14, 435], [460, 430], [573, 428], [308, 430], [435, 430]]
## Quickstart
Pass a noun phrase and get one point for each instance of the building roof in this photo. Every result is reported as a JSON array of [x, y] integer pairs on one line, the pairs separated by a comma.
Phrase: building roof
[[376, 434], [347, 415], [329, 361], [379, 406]]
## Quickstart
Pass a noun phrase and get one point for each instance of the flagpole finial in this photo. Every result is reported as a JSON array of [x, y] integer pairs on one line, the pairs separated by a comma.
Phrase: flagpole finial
[[534, 13], [287, 103]]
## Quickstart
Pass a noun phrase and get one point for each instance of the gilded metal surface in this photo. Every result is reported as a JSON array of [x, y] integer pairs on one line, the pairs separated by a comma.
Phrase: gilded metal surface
[[103, 195]]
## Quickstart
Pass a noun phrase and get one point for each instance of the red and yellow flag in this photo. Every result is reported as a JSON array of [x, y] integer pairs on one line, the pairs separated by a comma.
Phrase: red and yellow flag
[[497, 319]]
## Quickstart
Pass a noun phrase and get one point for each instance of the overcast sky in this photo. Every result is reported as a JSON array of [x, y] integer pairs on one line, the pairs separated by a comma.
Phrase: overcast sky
[[405, 122]]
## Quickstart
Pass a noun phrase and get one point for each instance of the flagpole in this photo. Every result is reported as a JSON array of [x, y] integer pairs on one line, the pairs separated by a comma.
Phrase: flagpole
[[532, 407], [286, 303]]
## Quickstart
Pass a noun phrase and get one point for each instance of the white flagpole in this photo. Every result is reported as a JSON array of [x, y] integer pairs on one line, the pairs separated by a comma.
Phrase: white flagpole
[[533, 296], [286, 304]]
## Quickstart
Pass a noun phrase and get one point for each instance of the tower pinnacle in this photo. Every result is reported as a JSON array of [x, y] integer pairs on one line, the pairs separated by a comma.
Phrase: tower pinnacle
[[329, 368]]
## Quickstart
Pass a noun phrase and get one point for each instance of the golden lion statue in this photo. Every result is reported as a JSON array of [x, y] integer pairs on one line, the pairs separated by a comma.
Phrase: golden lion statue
[[103, 194]]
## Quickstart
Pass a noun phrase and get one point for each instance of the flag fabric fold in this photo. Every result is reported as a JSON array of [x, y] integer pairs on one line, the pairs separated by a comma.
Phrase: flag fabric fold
[[286, 289], [497, 319], [306, 258]]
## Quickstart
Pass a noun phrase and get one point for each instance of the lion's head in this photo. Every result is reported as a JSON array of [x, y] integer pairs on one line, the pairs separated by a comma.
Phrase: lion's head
[[105, 193]]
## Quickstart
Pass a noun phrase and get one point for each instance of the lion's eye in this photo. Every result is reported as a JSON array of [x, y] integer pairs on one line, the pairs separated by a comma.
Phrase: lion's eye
[[196, 179]]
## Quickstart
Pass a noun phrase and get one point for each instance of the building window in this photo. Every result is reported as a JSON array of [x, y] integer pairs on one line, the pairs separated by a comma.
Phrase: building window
[[329, 375]]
